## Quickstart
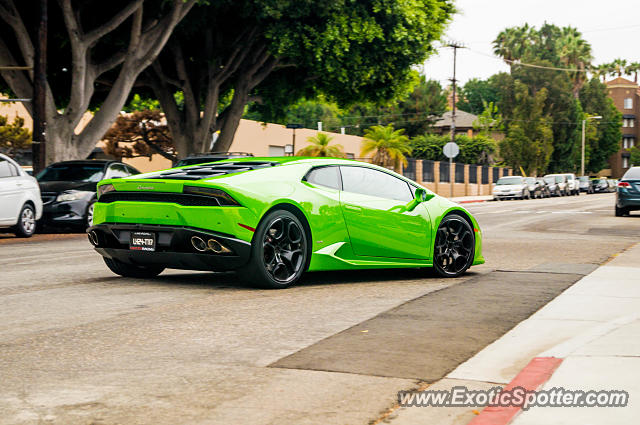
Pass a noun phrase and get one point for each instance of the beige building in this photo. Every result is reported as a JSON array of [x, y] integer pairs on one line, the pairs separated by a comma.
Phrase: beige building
[[253, 137]]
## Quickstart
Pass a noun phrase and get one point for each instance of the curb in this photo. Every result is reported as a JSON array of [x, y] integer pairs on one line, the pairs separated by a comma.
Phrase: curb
[[532, 377], [471, 202]]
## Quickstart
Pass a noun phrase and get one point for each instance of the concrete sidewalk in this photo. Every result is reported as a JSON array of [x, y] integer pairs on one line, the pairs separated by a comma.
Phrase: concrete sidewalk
[[591, 334]]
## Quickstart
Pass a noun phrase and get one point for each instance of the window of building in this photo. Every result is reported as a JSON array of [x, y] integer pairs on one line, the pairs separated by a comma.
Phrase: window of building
[[628, 122], [625, 162], [628, 103]]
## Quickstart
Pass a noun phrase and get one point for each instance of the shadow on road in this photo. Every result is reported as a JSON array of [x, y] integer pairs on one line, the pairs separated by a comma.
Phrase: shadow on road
[[229, 280]]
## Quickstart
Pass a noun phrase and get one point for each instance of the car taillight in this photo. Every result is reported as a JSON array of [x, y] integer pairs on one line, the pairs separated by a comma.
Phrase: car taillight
[[623, 184], [224, 199]]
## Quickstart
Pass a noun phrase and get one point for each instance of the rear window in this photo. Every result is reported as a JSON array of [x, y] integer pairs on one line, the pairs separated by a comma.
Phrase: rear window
[[632, 174], [325, 176]]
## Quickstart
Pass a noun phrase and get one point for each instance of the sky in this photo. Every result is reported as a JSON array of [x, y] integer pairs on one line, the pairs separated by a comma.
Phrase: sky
[[612, 28]]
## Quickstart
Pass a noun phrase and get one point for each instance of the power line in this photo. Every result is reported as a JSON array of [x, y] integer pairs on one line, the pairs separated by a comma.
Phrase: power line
[[530, 65]]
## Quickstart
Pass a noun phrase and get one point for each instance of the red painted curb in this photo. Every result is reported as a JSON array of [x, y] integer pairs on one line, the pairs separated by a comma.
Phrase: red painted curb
[[469, 202], [536, 373]]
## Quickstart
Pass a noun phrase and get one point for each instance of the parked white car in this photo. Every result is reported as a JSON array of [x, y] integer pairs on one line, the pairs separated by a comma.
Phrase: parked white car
[[20, 203], [511, 187]]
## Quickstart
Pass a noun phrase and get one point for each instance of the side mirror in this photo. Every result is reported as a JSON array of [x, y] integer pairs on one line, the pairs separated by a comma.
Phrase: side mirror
[[421, 196]]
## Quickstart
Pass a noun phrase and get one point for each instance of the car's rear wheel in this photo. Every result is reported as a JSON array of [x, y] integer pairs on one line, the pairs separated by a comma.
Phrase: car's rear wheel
[[130, 270], [621, 211], [454, 246], [26, 226], [279, 252]]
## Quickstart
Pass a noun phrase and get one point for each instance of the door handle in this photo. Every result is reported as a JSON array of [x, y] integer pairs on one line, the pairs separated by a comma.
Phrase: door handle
[[352, 207]]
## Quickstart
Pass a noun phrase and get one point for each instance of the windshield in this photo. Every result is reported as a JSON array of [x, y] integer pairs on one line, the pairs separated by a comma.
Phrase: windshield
[[531, 180], [509, 180], [550, 180], [559, 179], [72, 173], [584, 179]]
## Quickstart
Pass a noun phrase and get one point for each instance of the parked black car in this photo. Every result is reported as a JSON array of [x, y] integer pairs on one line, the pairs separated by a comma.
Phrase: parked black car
[[628, 193], [68, 189], [601, 185], [586, 184], [202, 158]]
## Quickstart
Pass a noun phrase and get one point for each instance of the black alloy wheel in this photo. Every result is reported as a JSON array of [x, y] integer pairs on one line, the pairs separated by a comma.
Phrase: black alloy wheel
[[279, 252], [454, 246]]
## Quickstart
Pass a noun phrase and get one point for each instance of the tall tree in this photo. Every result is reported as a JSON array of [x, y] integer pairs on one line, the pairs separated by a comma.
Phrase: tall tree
[[575, 52], [277, 52], [618, 67], [529, 141], [596, 101], [98, 39], [475, 94]]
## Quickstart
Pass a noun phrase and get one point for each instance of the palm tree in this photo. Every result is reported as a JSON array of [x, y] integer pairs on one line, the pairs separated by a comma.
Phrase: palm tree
[[575, 53], [633, 68], [387, 145], [319, 146], [601, 71], [618, 67], [511, 44]]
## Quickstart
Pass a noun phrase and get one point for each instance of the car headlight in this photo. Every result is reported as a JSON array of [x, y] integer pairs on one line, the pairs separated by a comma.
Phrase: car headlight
[[73, 195], [105, 188]]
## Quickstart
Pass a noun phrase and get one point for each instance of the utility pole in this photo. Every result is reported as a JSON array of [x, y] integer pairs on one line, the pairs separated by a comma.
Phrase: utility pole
[[455, 47], [38, 147]]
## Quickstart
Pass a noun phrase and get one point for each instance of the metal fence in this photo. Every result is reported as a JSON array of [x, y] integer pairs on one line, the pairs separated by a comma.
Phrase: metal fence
[[485, 175], [427, 171], [505, 171], [459, 174], [473, 174], [444, 172], [496, 174], [410, 170]]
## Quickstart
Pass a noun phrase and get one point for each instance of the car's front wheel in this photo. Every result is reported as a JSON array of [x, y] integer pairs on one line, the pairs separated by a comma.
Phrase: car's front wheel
[[130, 270], [279, 252], [26, 226], [454, 246]]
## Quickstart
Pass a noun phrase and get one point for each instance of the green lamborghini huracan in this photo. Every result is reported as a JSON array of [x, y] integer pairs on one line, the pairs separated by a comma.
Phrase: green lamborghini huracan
[[272, 219]]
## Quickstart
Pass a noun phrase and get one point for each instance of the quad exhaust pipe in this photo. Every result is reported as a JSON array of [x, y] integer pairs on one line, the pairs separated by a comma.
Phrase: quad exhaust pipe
[[93, 238], [212, 244]]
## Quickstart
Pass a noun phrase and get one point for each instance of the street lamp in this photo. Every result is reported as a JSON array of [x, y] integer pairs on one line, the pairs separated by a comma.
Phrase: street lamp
[[584, 121]]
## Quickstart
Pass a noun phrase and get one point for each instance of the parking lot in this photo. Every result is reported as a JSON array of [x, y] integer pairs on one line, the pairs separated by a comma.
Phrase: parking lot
[[81, 345]]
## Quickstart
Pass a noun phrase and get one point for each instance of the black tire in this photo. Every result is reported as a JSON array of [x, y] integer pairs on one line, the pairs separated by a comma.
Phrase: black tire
[[280, 252], [88, 215], [454, 246], [129, 270], [26, 226], [620, 212]]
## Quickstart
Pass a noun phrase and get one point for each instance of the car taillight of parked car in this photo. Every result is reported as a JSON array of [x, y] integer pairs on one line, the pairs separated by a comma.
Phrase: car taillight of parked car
[[623, 184]]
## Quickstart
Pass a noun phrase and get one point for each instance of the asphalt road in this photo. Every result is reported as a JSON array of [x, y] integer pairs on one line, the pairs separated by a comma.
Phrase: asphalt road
[[80, 345]]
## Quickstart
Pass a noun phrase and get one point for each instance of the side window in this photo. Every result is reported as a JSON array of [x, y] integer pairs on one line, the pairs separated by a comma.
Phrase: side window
[[325, 176], [116, 171], [13, 169], [5, 171], [372, 182]]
